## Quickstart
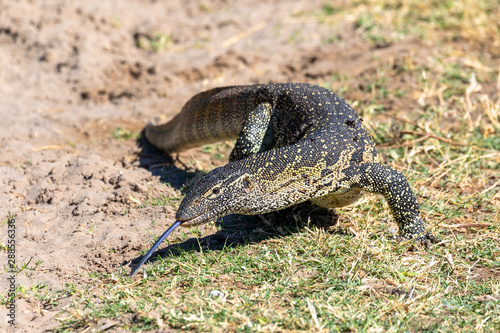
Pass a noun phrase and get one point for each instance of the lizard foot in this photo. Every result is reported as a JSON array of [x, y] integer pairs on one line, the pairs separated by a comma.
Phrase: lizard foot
[[424, 240]]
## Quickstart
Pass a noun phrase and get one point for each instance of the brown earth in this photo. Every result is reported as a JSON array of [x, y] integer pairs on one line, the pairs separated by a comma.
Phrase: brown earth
[[71, 73]]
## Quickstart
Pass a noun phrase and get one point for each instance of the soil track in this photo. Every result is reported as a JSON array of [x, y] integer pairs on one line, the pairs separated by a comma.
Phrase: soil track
[[71, 73]]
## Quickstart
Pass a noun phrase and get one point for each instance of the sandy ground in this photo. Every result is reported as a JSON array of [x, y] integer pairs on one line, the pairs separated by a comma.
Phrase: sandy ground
[[72, 72]]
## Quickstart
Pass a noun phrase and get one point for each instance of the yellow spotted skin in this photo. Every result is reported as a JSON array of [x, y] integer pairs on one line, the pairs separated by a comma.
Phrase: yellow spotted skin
[[295, 142]]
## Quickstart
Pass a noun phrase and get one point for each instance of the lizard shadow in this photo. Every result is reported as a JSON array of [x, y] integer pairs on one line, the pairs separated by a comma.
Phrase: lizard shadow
[[161, 164]]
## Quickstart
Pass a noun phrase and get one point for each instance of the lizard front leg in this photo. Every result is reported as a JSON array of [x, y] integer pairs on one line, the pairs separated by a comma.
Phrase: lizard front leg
[[392, 184], [256, 135]]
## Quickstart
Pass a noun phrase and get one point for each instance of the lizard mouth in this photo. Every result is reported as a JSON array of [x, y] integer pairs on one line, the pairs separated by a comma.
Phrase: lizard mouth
[[197, 220]]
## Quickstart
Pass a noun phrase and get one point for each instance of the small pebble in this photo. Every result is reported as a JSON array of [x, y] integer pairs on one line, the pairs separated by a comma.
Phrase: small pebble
[[216, 293]]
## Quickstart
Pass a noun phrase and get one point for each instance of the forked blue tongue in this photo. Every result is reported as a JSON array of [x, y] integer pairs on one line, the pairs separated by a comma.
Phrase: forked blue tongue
[[155, 246]]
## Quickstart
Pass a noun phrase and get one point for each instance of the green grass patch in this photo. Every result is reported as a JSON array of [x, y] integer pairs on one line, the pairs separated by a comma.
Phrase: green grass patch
[[123, 134], [308, 280]]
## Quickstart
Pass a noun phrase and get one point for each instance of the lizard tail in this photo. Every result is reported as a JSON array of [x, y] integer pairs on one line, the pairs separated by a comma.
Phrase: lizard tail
[[209, 117]]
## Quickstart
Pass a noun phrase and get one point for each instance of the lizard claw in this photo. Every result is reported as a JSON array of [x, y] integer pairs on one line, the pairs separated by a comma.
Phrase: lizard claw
[[426, 240]]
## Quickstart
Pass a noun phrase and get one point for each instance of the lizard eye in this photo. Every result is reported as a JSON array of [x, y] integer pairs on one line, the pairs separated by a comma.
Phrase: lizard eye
[[213, 193]]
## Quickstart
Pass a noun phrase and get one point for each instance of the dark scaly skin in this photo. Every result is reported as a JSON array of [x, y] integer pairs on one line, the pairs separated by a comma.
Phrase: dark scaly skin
[[296, 142]]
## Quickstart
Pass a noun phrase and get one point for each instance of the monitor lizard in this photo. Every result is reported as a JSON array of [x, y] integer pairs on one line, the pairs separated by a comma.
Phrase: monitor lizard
[[294, 142]]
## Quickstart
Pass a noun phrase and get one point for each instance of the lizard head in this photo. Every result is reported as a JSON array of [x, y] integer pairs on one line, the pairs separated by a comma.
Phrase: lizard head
[[223, 191]]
